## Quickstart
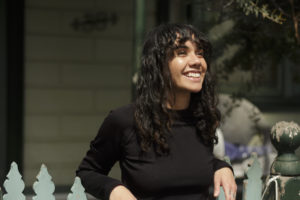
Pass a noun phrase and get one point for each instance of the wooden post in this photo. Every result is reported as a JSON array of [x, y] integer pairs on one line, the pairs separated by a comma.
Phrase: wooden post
[[252, 187], [284, 180], [139, 29]]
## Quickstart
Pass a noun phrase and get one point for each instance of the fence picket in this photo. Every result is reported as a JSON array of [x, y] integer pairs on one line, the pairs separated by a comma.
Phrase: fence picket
[[43, 187], [14, 185], [77, 191], [285, 168], [221, 195], [252, 187]]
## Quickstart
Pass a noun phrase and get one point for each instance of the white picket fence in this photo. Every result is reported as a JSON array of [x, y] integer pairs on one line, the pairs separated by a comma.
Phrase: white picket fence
[[285, 174], [43, 187]]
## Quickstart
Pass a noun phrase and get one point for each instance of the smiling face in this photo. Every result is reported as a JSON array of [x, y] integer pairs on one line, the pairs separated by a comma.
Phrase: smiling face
[[187, 68]]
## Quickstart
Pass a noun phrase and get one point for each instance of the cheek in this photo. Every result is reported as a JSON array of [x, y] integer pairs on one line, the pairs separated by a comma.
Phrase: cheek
[[204, 71], [204, 66], [175, 66]]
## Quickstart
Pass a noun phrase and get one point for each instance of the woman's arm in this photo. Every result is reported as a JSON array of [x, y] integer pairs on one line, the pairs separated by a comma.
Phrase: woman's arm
[[121, 193], [104, 152]]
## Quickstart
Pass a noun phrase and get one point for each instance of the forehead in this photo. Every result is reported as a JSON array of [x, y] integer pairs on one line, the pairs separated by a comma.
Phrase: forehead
[[189, 44], [181, 40]]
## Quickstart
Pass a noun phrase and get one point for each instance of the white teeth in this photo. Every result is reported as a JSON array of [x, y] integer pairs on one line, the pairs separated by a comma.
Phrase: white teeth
[[191, 74]]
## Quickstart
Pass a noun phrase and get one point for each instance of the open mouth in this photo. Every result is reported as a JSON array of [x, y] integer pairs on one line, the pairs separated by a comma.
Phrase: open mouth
[[193, 75]]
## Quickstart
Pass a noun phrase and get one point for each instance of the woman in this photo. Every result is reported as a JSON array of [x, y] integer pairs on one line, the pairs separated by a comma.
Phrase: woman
[[164, 140]]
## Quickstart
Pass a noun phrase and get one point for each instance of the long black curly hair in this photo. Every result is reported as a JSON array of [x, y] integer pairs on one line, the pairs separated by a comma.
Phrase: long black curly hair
[[154, 87]]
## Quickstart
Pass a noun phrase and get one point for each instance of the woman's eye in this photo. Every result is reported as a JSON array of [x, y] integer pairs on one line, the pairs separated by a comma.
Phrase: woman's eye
[[181, 52], [200, 53]]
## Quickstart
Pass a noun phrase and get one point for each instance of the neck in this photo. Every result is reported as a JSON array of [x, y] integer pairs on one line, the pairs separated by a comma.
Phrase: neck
[[182, 101]]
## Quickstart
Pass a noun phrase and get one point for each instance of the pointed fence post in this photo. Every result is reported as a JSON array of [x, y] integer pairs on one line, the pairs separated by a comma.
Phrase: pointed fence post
[[43, 187], [77, 191], [14, 185], [252, 187], [221, 195]]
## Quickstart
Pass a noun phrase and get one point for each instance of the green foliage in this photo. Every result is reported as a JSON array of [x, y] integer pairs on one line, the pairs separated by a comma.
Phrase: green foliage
[[249, 7], [252, 44]]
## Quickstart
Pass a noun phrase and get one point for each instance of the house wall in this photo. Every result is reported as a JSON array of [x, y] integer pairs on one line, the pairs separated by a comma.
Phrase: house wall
[[73, 79]]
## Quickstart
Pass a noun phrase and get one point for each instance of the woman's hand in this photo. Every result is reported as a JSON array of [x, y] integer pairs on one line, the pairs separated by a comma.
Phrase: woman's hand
[[224, 177], [121, 193]]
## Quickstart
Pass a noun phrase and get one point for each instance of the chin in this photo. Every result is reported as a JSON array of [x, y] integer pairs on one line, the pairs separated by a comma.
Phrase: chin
[[195, 90]]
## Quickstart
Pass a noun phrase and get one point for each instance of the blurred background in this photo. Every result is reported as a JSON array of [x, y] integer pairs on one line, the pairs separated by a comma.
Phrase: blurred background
[[64, 64]]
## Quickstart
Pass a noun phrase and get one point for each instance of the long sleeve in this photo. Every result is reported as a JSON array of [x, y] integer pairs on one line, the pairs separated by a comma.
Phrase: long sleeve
[[185, 173], [103, 153], [218, 164]]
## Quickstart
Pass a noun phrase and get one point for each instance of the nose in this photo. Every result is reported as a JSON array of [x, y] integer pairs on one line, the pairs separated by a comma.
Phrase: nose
[[194, 61]]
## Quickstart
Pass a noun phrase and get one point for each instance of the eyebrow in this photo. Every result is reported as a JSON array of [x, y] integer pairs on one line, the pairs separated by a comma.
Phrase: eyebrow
[[185, 47], [181, 47]]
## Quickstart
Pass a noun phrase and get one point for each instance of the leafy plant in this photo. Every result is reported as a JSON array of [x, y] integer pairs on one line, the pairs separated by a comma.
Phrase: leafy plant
[[257, 38]]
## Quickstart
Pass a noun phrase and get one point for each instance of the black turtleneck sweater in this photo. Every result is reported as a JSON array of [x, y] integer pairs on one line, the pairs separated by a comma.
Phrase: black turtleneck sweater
[[185, 174]]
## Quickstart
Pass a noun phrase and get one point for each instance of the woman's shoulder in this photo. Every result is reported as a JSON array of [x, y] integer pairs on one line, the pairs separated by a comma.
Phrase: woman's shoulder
[[122, 116]]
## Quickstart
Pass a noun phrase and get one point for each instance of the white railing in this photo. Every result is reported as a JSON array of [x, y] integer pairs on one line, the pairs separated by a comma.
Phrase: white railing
[[43, 187], [283, 183]]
